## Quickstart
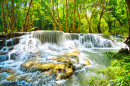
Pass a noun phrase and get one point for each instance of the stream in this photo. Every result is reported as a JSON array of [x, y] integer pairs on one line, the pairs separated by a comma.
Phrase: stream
[[55, 58]]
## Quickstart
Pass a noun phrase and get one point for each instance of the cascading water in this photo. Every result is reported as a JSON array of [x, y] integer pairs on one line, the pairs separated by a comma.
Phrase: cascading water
[[54, 58]]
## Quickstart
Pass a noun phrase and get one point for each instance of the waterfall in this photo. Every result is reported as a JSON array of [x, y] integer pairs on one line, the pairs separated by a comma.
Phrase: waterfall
[[49, 36], [61, 38], [47, 57]]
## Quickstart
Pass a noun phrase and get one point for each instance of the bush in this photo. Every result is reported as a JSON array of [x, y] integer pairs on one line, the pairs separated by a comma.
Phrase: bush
[[118, 71]]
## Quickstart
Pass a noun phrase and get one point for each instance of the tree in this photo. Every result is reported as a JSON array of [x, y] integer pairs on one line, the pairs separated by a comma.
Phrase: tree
[[73, 31], [78, 16], [24, 26], [7, 14], [59, 23], [99, 28], [3, 17], [12, 20], [66, 17], [53, 14], [128, 4]]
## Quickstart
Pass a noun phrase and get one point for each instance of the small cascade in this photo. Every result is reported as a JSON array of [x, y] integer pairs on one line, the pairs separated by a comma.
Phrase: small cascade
[[36, 59], [49, 36], [94, 40], [61, 38], [74, 36]]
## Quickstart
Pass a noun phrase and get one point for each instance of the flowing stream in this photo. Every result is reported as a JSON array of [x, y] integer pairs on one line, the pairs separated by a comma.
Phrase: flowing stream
[[21, 66]]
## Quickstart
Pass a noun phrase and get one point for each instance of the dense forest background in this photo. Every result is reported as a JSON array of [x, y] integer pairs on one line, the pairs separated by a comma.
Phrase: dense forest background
[[76, 16]]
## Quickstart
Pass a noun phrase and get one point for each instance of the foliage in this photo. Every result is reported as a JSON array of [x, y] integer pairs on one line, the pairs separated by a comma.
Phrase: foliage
[[113, 21], [118, 71]]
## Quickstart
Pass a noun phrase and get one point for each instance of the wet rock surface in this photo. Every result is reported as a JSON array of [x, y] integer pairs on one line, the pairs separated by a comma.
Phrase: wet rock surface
[[60, 67], [123, 51]]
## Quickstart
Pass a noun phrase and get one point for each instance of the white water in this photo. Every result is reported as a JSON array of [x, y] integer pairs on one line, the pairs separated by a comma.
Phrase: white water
[[91, 47]]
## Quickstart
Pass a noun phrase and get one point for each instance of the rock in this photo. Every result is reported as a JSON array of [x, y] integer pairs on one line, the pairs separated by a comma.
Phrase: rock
[[3, 52], [9, 43], [12, 76], [36, 54], [16, 40], [8, 70], [67, 57], [51, 71], [33, 29], [67, 74], [2, 43], [123, 50], [62, 59], [15, 76], [59, 67], [62, 69], [15, 34], [77, 67], [86, 62], [37, 65]]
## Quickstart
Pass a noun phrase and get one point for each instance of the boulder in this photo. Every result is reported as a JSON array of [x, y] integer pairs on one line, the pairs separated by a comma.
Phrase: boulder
[[37, 65], [86, 62], [3, 52], [68, 57], [67, 74], [1, 43], [15, 76], [8, 70], [123, 50]]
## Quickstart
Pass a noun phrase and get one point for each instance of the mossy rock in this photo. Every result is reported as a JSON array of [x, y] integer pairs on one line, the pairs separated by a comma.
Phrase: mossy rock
[[107, 36], [33, 29], [123, 50]]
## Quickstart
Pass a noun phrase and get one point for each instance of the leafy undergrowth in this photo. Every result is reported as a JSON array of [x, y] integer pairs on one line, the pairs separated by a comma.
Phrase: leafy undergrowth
[[118, 72]]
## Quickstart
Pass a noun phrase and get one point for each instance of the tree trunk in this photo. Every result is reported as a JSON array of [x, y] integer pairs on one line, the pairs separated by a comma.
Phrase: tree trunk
[[28, 24], [128, 4], [53, 14], [7, 18], [12, 20], [79, 19], [128, 14], [3, 17], [66, 17], [69, 19], [24, 26], [59, 23], [73, 31], [89, 23], [99, 28]]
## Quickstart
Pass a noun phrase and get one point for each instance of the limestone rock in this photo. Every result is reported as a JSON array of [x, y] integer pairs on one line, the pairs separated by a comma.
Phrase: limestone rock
[[3, 52], [37, 65], [15, 76], [86, 62], [123, 50], [8, 70]]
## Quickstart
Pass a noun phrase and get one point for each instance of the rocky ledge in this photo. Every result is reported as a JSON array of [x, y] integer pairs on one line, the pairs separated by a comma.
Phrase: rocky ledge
[[59, 67]]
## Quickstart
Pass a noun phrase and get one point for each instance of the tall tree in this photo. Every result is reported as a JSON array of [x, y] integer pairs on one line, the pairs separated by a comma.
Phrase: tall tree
[[128, 4], [7, 14], [59, 23], [12, 20], [89, 22], [69, 16], [24, 26], [99, 28], [66, 16], [73, 31], [53, 15], [78, 16], [3, 17]]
